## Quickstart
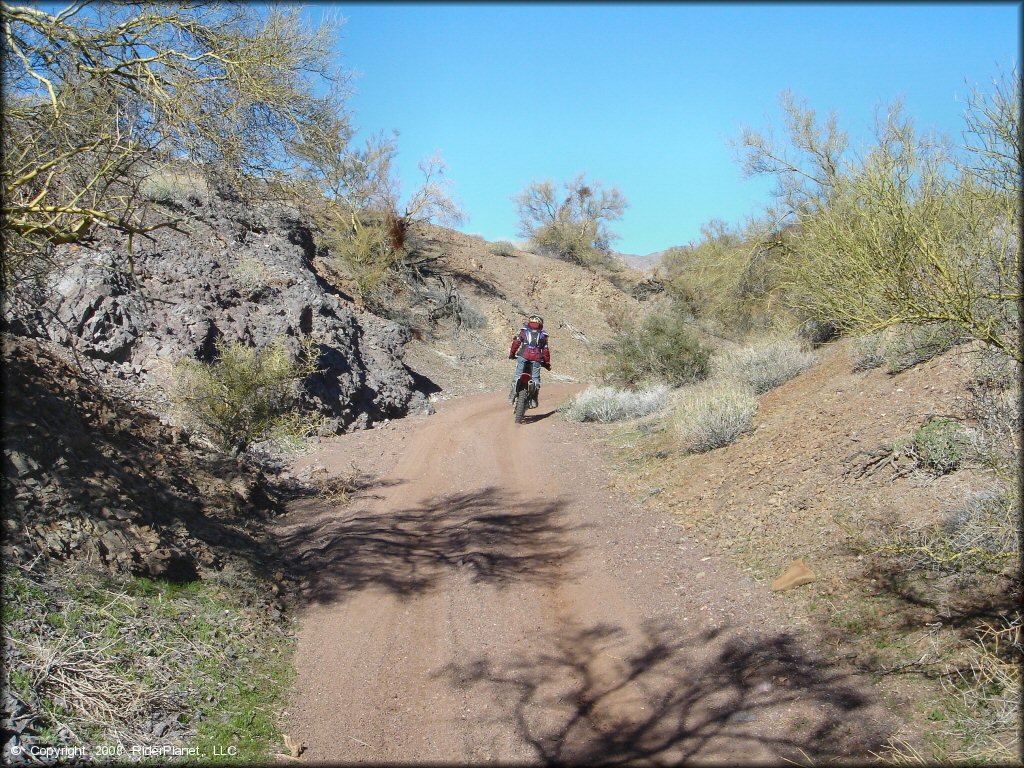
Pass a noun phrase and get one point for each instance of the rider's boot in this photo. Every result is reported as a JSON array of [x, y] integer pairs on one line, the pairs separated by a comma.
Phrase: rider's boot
[[512, 394]]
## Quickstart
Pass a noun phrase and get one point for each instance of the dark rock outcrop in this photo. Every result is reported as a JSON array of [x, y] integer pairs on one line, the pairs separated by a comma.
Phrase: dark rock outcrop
[[235, 273], [88, 476]]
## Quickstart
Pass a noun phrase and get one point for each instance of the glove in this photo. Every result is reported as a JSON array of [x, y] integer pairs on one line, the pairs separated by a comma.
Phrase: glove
[[511, 357], [547, 366]]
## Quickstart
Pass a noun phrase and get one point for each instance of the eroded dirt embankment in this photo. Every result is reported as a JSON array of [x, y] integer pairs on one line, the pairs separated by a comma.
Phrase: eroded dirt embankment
[[486, 597]]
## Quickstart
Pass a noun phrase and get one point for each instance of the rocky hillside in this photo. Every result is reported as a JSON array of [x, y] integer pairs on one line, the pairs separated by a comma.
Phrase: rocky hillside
[[234, 273], [95, 468], [499, 288], [239, 273], [100, 486], [648, 263], [90, 476]]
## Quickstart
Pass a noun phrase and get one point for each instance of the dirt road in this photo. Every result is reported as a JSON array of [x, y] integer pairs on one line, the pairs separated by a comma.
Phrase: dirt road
[[487, 598]]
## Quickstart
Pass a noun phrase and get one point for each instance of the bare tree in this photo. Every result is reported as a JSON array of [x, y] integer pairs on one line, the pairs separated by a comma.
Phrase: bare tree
[[573, 228], [364, 219], [993, 134], [99, 95]]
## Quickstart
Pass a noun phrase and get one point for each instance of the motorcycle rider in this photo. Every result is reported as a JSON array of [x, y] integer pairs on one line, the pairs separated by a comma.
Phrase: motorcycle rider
[[531, 347]]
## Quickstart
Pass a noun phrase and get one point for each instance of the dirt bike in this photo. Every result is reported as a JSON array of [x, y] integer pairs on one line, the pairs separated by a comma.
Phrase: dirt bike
[[525, 395]]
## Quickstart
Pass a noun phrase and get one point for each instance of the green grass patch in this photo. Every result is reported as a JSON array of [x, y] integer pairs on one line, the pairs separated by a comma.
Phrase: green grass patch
[[202, 661]]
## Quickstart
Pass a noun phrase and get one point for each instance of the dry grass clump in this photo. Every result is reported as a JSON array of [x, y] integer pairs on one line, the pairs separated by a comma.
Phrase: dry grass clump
[[606, 404], [896, 751], [251, 275], [908, 347], [130, 661], [85, 676], [988, 693], [714, 414], [994, 405], [176, 188], [978, 536], [336, 489], [75, 667], [902, 347], [767, 365]]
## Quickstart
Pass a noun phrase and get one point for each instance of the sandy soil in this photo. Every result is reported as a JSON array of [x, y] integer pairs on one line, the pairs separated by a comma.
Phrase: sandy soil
[[487, 597], [794, 488]]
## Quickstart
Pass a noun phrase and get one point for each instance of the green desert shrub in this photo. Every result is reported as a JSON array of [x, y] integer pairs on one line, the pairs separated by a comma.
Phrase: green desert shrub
[[662, 348], [941, 445], [767, 365], [728, 277], [904, 228], [246, 394], [368, 256], [607, 404], [503, 248], [917, 344], [714, 414]]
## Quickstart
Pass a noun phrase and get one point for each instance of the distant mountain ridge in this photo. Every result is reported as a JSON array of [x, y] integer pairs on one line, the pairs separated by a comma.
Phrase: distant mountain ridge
[[646, 263]]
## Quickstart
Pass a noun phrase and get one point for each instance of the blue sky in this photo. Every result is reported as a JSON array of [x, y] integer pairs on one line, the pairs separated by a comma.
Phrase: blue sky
[[646, 97]]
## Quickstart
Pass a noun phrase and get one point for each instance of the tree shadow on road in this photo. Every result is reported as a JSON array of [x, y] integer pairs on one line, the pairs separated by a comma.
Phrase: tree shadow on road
[[595, 695], [491, 535]]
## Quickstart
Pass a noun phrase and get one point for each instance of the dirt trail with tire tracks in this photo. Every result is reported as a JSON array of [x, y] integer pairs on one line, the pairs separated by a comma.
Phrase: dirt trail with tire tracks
[[486, 598]]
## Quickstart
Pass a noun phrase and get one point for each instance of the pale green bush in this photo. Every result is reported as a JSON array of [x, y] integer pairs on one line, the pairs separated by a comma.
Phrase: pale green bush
[[941, 445], [607, 404], [767, 365], [504, 248], [868, 352], [251, 275], [246, 395], [714, 414]]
